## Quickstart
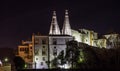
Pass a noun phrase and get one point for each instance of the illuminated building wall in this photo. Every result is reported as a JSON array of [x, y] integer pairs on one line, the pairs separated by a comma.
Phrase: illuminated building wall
[[88, 36], [77, 36], [57, 43], [100, 43], [113, 40], [26, 52], [40, 51]]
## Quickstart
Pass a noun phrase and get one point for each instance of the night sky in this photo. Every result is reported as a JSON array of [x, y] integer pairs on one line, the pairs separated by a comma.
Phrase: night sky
[[19, 19]]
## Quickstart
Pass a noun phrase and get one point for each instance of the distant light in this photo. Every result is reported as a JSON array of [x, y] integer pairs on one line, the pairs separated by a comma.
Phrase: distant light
[[65, 66], [81, 57], [81, 60], [6, 59], [0, 63], [25, 65]]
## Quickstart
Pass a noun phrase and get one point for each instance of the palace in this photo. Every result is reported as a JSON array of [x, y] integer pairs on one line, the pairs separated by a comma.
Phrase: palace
[[44, 48]]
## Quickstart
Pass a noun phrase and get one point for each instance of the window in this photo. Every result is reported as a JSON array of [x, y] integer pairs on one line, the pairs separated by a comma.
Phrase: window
[[54, 41], [23, 49], [55, 51], [43, 58], [20, 49], [36, 40], [44, 41], [36, 51], [41, 63], [44, 47], [43, 50], [26, 50], [36, 58], [54, 47], [43, 53], [87, 32]]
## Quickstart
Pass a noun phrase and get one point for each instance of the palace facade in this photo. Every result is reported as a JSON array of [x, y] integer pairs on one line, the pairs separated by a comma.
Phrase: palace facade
[[44, 48]]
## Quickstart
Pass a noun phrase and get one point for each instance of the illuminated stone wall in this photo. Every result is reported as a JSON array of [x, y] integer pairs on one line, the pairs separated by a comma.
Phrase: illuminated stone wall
[[113, 40], [100, 43], [40, 52], [25, 50], [57, 44], [77, 36]]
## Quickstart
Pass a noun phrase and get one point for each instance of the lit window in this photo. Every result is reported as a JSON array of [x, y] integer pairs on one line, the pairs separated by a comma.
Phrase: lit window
[[27, 49], [67, 40]]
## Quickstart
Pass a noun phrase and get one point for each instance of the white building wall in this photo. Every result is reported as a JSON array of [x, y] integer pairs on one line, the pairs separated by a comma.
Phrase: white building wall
[[40, 59], [85, 36], [77, 36], [101, 43], [112, 40], [60, 45]]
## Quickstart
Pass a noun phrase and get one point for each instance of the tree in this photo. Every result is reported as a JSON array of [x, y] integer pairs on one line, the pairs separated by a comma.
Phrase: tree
[[72, 53], [61, 57], [54, 63], [19, 62]]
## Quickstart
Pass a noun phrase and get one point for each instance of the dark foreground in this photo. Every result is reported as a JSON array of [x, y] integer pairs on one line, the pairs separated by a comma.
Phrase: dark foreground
[[95, 69]]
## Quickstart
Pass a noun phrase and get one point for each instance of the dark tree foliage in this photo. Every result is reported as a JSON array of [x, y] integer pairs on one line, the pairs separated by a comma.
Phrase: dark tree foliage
[[72, 53], [54, 63], [93, 57], [61, 57], [19, 62]]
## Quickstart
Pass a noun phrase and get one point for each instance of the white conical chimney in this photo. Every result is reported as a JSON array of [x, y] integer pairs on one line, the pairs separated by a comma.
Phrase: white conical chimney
[[54, 28], [66, 30]]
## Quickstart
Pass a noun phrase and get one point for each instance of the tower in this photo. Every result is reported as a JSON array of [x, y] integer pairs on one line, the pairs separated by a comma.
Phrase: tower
[[54, 28], [66, 30]]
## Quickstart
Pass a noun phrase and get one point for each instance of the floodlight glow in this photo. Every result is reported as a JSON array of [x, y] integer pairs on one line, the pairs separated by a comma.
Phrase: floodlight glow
[[0, 62], [6, 59], [81, 60], [25, 65], [65, 66]]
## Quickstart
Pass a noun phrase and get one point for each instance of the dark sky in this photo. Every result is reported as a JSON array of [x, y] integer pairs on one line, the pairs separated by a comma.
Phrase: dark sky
[[19, 19]]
